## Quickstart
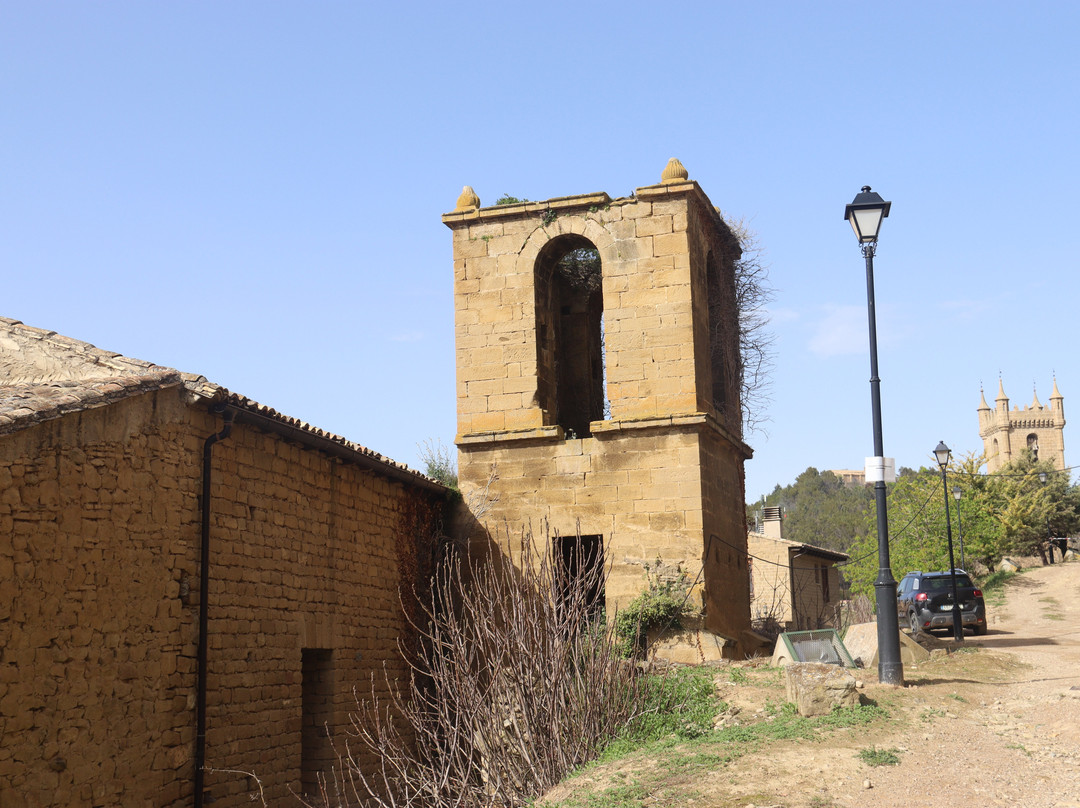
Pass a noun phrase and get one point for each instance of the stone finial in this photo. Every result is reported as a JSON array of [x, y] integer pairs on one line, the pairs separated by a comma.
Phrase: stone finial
[[468, 200], [674, 171]]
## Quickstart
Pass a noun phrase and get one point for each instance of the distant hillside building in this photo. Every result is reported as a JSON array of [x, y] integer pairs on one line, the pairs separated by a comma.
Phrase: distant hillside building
[[1006, 433], [850, 477]]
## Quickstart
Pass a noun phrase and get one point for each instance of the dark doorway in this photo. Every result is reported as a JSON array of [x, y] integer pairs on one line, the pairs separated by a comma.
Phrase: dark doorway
[[579, 566], [317, 710]]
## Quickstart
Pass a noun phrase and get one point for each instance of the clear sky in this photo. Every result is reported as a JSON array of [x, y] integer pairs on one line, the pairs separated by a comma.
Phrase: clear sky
[[252, 190]]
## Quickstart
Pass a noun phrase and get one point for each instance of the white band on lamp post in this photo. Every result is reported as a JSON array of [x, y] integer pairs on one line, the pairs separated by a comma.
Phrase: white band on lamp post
[[880, 469]]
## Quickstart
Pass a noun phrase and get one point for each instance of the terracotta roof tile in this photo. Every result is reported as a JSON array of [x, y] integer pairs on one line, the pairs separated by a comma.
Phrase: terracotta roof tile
[[28, 403], [44, 375]]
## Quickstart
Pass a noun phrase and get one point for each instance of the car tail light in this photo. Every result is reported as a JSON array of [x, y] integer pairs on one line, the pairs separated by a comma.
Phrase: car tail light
[[921, 597], [978, 593]]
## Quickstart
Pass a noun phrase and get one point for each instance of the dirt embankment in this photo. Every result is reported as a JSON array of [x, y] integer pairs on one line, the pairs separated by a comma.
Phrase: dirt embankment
[[999, 726]]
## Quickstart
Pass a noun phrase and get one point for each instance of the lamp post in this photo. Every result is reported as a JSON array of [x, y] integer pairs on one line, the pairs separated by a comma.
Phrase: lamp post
[[1049, 538], [942, 452], [956, 492], [865, 214]]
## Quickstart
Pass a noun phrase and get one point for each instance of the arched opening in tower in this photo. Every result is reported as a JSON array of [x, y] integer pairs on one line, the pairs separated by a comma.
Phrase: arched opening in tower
[[570, 335]]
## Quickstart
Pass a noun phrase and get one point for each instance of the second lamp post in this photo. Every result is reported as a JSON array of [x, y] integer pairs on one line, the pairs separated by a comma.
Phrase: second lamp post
[[942, 452]]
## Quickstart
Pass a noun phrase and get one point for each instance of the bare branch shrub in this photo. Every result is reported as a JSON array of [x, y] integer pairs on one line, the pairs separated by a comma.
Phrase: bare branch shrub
[[860, 609], [514, 687], [753, 293], [768, 605]]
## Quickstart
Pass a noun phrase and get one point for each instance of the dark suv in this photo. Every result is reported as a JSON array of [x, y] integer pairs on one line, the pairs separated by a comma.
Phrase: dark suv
[[924, 600]]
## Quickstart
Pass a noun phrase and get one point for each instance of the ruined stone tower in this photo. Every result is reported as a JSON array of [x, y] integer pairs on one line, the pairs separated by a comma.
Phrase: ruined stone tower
[[1006, 433], [598, 385]]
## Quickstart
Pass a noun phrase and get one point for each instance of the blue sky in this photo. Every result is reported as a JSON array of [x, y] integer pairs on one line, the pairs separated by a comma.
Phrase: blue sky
[[252, 190]]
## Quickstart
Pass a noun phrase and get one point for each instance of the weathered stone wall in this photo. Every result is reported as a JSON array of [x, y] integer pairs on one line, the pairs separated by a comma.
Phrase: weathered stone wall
[[662, 475], [771, 596], [812, 608], [99, 546], [640, 490], [727, 575]]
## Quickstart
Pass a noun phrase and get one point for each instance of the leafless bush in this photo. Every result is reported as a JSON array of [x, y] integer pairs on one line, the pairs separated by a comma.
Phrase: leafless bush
[[860, 609], [757, 343], [514, 686]]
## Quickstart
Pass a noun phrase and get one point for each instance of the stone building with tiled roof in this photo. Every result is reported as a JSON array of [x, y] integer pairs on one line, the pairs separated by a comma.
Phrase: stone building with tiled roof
[[794, 586], [128, 491]]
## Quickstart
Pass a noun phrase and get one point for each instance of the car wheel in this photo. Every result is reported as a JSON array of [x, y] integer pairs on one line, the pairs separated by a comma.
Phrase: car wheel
[[913, 622], [980, 629]]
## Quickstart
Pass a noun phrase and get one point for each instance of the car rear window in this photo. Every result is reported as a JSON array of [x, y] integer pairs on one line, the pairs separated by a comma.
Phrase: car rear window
[[940, 582]]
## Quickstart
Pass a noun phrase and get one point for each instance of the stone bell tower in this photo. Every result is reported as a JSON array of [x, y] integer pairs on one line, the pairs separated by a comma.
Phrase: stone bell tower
[[1038, 427], [598, 382]]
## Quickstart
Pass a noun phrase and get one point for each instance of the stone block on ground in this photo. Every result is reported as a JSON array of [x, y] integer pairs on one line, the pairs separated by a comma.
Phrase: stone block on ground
[[862, 643], [816, 688]]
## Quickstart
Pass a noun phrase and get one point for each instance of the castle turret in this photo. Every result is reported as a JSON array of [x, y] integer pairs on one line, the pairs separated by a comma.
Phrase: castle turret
[[985, 414], [1057, 403], [1037, 428]]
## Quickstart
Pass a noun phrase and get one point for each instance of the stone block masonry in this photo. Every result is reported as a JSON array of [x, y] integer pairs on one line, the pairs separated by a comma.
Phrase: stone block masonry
[[99, 563], [598, 381]]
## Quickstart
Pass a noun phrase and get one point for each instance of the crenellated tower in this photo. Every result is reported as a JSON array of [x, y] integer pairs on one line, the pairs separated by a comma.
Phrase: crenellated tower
[[1038, 427]]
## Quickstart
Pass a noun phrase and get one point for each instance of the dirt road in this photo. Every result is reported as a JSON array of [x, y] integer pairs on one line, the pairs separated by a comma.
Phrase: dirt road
[[1000, 727], [995, 724]]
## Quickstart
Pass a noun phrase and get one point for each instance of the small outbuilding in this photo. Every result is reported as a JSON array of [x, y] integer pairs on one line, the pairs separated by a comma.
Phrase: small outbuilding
[[794, 586]]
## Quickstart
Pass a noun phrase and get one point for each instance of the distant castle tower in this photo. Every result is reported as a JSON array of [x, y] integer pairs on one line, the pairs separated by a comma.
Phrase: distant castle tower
[[1037, 427]]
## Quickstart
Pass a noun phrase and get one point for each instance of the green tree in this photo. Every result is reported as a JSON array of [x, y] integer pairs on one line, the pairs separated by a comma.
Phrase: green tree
[[439, 462], [916, 532], [820, 509], [1009, 512], [1029, 509]]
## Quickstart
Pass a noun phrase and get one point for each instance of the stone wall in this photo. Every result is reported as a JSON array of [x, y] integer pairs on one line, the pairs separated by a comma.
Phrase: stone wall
[[99, 555]]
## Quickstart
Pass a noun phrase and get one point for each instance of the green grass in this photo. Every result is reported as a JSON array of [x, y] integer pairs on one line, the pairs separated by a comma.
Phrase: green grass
[[879, 757], [680, 756], [680, 705], [930, 713], [993, 586]]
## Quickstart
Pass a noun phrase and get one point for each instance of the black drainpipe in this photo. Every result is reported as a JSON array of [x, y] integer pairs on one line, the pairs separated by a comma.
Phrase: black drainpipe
[[204, 608]]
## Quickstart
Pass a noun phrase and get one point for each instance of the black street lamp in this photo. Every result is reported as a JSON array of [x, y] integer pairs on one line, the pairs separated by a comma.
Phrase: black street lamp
[[865, 214], [942, 452], [1049, 537], [957, 493]]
